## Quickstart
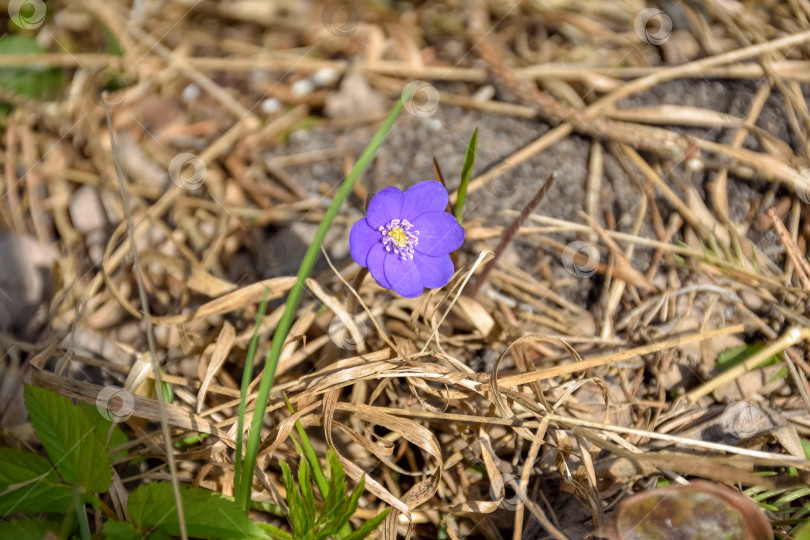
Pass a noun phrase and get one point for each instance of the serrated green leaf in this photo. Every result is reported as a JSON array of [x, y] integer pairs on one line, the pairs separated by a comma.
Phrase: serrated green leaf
[[19, 466], [298, 518], [28, 483], [307, 496], [112, 439], [120, 530], [24, 529], [309, 452], [337, 482], [208, 514], [466, 175], [366, 528], [354, 499], [36, 497], [339, 517], [70, 439]]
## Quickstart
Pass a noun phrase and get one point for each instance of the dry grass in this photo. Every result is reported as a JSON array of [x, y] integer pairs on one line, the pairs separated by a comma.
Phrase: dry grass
[[436, 399]]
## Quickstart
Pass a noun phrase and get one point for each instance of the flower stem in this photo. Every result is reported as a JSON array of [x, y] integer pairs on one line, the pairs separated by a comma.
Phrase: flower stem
[[285, 323]]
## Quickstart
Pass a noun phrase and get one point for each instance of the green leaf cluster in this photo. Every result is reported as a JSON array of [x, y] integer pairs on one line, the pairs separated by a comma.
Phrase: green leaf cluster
[[208, 514], [310, 521], [79, 467], [78, 439]]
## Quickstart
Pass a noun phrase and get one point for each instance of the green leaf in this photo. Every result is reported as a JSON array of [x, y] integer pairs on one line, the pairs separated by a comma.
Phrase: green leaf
[[298, 518], [737, 355], [24, 529], [70, 439], [366, 528], [309, 452], [28, 483], [208, 514], [29, 81], [275, 533], [19, 466], [345, 510], [307, 496], [120, 530], [466, 175], [354, 499], [102, 426], [337, 483], [168, 392]]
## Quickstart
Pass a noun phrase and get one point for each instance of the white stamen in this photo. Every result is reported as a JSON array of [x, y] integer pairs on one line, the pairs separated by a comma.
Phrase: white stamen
[[397, 236]]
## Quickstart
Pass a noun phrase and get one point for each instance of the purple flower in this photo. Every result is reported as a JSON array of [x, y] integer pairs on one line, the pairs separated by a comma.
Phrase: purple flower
[[406, 238]]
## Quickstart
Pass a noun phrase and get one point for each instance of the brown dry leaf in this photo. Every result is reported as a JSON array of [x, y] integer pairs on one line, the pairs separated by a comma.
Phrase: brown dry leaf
[[700, 510], [222, 348], [476, 314]]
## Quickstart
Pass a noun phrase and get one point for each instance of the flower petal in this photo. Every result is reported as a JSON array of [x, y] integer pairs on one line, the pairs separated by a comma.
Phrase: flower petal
[[361, 238], [403, 276], [439, 233], [384, 206], [376, 264], [428, 196], [436, 271]]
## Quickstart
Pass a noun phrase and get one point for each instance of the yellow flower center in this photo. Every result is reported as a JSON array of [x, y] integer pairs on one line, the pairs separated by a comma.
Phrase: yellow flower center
[[398, 236]]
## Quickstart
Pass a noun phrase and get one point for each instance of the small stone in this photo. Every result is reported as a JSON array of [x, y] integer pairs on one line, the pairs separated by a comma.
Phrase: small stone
[[751, 300], [271, 106], [191, 92], [325, 76], [302, 88], [25, 280], [86, 210]]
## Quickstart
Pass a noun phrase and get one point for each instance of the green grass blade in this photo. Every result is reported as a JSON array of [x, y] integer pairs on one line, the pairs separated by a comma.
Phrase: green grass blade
[[285, 323], [81, 515], [466, 174], [247, 375]]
